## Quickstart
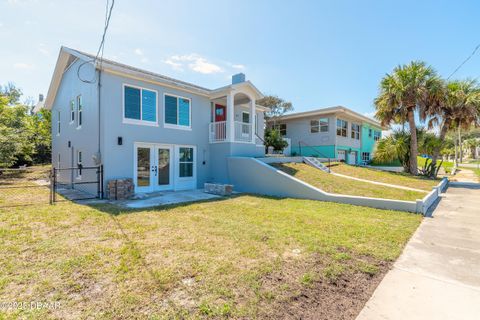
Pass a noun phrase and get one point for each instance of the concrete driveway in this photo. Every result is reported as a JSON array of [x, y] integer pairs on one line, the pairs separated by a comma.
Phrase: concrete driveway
[[438, 274]]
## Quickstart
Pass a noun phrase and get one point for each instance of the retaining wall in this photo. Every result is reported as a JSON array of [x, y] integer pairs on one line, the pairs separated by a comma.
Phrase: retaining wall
[[255, 176]]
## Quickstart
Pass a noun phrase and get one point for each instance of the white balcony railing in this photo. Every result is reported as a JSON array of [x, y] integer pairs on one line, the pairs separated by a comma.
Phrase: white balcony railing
[[243, 132], [218, 132]]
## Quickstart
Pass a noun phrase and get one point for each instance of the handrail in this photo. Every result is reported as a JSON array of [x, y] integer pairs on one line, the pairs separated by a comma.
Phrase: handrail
[[314, 149], [256, 134]]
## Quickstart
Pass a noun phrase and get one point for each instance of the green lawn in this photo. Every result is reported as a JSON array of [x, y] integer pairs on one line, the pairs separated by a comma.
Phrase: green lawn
[[335, 184], [241, 257], [447, 165], [401, 179]]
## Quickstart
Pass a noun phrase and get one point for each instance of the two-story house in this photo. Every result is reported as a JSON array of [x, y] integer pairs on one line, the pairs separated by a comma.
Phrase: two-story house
[[335, 132], [163, 133]]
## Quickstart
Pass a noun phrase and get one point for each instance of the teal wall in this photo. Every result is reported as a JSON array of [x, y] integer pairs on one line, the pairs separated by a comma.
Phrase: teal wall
[[327, 151], [348, 149], [368, 144]]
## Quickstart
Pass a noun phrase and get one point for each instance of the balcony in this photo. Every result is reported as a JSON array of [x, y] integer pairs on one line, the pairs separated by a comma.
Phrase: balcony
[[220, 132]]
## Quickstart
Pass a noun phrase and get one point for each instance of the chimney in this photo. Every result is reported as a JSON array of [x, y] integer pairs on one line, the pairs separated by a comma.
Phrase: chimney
[[40, 97], [238, 78]]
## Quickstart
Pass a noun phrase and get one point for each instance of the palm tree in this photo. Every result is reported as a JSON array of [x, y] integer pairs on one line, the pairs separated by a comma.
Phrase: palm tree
[[407, 89], [459, 108]]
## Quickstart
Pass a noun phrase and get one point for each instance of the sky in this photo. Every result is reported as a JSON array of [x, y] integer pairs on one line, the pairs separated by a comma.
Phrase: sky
[[313, 53]]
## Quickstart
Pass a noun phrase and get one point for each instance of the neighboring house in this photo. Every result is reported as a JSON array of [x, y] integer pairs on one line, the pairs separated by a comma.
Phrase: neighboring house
[[40, 104], [163, 133], [335, 132]]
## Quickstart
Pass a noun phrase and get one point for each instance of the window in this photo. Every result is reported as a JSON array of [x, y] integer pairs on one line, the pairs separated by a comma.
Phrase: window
[[79, 111], [140, 105], [282, 128], [377, 135], [177, 111], [185, 162], [320, 125], [245, 117], [72, 111], [314, 126], [323, 124], [369, 133], [246, 121], [355, 131], [58, 161], [342, 126], [58, 123], [79, 164], [365, 157]]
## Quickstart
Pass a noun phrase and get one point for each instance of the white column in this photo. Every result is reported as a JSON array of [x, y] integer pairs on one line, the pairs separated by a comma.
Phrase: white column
[[230, 118], [252, 119]]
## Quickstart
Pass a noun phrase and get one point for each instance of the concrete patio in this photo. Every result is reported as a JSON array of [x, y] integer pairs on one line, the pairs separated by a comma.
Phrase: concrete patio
[[167, 198]]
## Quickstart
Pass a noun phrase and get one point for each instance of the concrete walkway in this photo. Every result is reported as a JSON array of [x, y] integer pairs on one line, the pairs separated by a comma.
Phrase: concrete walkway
[[438, 274]]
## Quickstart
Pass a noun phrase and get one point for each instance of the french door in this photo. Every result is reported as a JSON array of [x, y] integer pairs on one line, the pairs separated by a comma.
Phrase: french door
[[153, 167]]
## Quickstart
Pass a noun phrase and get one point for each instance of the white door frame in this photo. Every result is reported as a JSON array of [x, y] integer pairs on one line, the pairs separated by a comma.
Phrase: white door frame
[[175, 182]]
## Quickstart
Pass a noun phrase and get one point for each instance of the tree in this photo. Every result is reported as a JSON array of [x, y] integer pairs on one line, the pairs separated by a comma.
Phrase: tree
[[274, 139], [276, 106], [394, 147], [403, 92], [24, 138], [472, 144], [458, 108]]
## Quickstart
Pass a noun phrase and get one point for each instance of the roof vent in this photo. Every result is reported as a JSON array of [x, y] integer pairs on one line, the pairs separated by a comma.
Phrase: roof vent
[[238, 78]]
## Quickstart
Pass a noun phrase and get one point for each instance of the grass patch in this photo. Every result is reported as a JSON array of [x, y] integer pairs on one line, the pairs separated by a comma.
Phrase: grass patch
[[335, 184], [400, 179], [209, 259]]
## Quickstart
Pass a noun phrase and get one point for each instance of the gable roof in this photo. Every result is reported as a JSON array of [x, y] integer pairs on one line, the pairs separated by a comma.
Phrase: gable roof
[[329, 110], [67, 56]]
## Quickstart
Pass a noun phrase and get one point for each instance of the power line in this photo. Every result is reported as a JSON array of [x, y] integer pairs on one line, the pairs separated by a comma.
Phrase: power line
[[465, 61], [108, 15]]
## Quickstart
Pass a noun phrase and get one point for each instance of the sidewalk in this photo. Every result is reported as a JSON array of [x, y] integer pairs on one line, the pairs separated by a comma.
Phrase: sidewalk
[[438, 274]]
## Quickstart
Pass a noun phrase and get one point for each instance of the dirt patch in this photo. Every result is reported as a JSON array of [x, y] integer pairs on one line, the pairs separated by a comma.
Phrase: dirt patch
[[306, 290]]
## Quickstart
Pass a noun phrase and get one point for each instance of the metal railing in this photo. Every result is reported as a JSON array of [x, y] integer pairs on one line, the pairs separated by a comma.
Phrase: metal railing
[[319, 153]]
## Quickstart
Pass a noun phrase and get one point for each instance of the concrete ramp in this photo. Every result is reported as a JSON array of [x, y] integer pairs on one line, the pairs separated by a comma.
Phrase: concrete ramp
[[254, 176]]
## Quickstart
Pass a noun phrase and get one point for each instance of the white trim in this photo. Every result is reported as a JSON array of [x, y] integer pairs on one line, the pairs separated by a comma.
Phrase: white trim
[[176, 182], [79, 102], [79, 161], [177, 126], [72, 111], [139, 121]]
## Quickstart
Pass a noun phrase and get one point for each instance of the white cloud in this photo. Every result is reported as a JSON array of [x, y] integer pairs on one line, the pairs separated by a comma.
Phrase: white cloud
[[139, 52], [42, 48], [238, 66], [23, 66], [194, 62]]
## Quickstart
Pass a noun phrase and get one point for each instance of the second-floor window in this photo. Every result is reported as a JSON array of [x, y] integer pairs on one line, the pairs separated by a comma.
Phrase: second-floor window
[[58, 123], [282, 128], [377, 135], [320, 125], [72, 111], [140, 105], [355, 131], [342, 126], [79, 111], [177, 111]]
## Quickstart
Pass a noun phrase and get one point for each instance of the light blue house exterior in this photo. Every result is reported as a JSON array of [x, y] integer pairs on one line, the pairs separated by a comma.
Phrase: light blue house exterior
[[163, 133], [335, 133]]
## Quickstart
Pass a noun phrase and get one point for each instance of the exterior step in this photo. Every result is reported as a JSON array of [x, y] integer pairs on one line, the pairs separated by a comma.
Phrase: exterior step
[[314, 162]]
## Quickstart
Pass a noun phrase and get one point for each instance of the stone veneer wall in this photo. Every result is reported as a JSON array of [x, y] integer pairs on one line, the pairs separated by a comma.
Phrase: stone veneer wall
[[120, 189]]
